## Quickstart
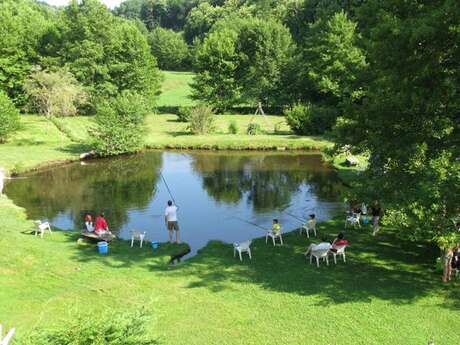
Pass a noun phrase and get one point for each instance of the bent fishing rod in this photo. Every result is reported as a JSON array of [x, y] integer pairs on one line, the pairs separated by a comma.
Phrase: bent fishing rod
[[250, 223], [167, 187]]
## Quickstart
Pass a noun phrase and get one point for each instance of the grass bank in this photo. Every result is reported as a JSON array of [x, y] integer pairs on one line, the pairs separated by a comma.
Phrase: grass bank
[[386, 293]]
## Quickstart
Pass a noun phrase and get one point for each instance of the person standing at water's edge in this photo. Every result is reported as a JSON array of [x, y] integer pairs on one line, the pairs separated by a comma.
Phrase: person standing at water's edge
[[171, 221]]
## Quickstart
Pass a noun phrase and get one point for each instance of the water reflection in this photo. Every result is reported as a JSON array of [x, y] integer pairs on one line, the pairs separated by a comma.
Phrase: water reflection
[[210, 188]]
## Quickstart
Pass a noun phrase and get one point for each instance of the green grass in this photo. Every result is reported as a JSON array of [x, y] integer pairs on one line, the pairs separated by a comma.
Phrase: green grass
[[386, 293], [176, 89], [37, 143], [163, 131]]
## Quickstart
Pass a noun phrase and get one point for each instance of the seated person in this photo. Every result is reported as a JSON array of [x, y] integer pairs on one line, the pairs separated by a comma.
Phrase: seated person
[[101, 225], [325, 244], [339, 242], [89, 223], [276, 227]]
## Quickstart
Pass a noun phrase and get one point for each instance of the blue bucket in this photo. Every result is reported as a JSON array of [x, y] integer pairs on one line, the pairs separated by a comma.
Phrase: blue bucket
[[102, 247], [154, 244], [365, 220]]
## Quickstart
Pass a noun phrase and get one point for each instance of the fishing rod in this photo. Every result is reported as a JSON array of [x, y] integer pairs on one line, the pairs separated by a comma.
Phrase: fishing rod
[[167, 187], [250, 223]]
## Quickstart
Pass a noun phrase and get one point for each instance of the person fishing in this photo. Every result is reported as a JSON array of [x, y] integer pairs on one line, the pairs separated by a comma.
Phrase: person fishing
[[171, 221]]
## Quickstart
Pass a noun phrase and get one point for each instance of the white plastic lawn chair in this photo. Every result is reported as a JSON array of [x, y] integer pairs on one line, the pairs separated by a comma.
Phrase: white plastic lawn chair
[[309, 226], [274, 236], [340, 251], [42, 227], [243, 247], [319, 254], [8, 336], [137, 235], [353, 220]]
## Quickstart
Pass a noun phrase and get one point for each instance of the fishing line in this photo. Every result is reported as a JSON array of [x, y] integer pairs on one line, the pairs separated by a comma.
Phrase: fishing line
[[167, 187], [250, 223]]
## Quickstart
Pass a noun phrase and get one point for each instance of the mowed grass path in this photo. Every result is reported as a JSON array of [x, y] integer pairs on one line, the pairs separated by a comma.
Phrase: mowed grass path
[[386, 293], [175, 90]]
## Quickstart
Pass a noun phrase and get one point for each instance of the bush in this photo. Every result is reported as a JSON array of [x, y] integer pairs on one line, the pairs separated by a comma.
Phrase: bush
[[9, 117], [55, 93], [183, 114], [310, 119], [125, 329], [120, 124], [254, 129], [202, 120], [233, 128]]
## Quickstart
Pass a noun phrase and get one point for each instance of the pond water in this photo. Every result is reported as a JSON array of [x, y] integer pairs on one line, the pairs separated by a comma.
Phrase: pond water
[[217, 193]]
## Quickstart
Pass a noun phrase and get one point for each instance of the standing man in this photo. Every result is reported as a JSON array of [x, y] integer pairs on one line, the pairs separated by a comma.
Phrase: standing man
[[376, 212], [171, 221]]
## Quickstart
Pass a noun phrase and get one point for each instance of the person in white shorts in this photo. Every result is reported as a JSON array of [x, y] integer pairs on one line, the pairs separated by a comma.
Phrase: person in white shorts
[[171, 221]]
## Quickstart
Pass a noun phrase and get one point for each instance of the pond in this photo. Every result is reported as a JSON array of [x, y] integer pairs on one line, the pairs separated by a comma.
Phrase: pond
[[218, 193]]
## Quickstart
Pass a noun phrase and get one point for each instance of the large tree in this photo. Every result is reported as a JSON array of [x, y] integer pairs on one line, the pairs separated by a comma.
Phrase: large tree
[[242, 61], [409, 120], [22, 24]]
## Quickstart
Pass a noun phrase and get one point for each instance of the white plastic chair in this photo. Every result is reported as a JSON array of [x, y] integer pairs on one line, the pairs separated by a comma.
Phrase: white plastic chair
[[307, 227], [353, 220], [137, 235], [8, 336], [274, 236], [243, 247], [320, 254], [42, 227], [340, 250]]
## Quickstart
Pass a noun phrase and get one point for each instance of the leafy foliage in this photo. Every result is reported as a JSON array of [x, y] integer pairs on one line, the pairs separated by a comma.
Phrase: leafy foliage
[[170, 49], [409, 119], [106, 54], [125, 329], [9, 117], [242, 61], [309, 119], [202, 120], [233, 128], [55, 93], [183, 114], [254, 129], [22, 24], [120, 124]]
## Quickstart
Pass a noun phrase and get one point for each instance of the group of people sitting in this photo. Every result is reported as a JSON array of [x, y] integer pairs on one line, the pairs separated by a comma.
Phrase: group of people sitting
[[338, 242], [99, 227]]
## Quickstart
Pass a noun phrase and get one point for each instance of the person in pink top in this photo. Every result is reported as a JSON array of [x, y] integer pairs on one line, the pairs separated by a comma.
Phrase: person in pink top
[[101, 225], [339, 242]]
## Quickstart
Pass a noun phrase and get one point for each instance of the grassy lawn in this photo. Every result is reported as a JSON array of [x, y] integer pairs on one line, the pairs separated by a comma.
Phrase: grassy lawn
[[175, 89], [386, 293], [38, 142]]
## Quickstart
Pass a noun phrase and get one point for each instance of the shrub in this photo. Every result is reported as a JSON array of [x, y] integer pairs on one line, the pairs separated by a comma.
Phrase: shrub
[[120, 124], [55, 93], [310, 119], [202, 120], [233, 128], [183, 114], [9, 117], [254, 129], [125, 329]]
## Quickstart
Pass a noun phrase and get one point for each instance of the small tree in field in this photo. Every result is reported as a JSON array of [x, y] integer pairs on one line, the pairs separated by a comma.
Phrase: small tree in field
[[55, 93], [9, 117], [120, 124], [202, 120]]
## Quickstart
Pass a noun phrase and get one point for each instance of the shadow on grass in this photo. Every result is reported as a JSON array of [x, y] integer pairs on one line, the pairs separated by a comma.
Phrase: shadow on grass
[[179, 133], [75, 148], [384, 268]]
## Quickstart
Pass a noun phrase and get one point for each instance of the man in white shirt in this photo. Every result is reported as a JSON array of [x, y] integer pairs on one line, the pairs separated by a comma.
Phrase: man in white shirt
[[314, 247], [171, 221]]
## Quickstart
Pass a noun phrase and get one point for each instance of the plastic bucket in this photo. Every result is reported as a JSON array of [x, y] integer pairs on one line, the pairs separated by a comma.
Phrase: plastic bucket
[[103, 247], [365, 220], [154, 244]]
